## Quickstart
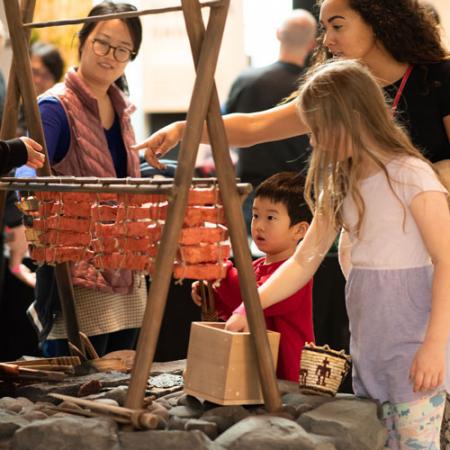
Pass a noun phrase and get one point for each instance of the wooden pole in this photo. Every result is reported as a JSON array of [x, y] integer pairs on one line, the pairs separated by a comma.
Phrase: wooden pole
[[198, 108], [236, 225], [8, 129], [24, 78]]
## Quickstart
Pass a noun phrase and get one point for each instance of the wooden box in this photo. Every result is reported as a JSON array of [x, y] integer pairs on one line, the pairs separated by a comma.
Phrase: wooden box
[[221, 365]]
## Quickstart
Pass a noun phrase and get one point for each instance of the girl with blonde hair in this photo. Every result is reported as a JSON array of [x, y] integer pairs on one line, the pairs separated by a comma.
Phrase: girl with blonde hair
[[366, 178]]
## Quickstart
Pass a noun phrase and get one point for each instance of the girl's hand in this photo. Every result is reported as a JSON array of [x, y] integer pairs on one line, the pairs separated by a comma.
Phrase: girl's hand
[[195, 293], [237, 322], [35, 156], [428, 367], [159, 143]]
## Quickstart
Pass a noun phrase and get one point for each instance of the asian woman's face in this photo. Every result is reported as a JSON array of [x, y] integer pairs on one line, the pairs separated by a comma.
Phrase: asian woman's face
[[99, 62], [346, 35]]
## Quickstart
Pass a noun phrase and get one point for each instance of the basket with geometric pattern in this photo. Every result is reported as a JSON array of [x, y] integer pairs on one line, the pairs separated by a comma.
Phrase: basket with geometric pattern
[[322, 370]]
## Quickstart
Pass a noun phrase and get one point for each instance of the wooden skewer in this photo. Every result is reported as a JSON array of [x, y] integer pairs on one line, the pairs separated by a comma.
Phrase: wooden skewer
[[75, 351], [90, 349], [138, 417], [16, 371], [60, 360]]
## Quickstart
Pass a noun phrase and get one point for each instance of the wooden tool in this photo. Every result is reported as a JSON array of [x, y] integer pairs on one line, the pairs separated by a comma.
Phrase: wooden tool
[[209, 312], [13, 370], [57, 361], [139, 418]]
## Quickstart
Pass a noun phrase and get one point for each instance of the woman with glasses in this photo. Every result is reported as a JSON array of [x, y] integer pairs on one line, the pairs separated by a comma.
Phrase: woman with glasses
[[88, 132]]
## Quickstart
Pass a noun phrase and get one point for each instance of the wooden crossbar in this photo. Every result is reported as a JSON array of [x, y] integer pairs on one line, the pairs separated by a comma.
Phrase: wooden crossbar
[[124, 15]]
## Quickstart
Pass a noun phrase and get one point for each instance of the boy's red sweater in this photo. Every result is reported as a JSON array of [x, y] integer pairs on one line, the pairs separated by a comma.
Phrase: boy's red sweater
[[292, 317]]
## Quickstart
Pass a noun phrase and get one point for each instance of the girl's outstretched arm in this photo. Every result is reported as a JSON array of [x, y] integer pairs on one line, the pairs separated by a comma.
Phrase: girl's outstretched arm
[[431, 213], [295, 272], [243, 130]]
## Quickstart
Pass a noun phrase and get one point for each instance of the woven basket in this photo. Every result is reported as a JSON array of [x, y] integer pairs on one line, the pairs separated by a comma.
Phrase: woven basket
[[322, 369]]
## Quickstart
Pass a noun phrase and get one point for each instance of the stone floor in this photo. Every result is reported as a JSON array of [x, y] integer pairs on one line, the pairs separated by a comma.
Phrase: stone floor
[[307, 422]]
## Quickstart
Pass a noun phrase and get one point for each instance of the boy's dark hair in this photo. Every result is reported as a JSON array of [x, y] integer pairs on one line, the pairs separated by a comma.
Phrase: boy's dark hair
[[287, 188]]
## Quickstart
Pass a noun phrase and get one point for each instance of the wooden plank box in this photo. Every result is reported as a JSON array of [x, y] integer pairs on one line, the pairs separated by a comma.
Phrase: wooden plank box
[[221, 365]]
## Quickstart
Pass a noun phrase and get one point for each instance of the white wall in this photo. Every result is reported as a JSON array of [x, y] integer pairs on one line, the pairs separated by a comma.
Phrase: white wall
[[443, 7], [166, 61]]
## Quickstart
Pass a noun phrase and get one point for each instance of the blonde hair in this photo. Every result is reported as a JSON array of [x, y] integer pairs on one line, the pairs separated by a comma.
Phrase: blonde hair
[[343, 106]]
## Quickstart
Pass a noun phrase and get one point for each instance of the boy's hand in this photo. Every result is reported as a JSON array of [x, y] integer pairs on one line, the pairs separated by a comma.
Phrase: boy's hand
[[428, 367], [35, 156], [237, 322], [195, 293]]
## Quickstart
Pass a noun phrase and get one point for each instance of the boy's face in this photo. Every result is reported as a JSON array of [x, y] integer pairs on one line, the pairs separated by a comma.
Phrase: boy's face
[[271, 230]]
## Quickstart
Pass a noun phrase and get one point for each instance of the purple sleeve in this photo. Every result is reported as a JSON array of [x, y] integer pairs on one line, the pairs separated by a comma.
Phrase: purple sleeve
[[56, 128]]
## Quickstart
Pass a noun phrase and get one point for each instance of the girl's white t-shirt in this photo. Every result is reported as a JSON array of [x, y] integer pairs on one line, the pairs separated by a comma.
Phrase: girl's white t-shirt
[[389, 236]]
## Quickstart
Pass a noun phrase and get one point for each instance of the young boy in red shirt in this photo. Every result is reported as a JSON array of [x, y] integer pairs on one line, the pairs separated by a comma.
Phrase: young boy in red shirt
[[280, 220]]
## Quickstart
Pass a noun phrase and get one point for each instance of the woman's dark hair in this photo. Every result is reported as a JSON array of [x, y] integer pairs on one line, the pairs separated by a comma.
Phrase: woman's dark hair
[[404, 27], [133, 24], [50, 57]]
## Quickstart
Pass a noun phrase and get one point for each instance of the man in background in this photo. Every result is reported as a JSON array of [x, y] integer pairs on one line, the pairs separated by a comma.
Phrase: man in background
[[257, 89]]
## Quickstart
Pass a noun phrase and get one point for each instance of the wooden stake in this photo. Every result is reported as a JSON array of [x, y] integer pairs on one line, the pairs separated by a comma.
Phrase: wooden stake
[[198, 108], [236, 224], [19, 44]]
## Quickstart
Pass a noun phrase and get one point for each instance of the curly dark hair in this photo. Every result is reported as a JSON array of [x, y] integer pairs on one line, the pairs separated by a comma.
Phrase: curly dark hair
[[404, 27]]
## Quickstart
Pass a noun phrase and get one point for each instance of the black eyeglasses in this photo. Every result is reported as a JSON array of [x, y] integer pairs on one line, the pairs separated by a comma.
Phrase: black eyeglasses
[[102, 48]]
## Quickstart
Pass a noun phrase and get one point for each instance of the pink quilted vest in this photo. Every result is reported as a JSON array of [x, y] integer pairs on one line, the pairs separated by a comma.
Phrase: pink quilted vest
[[88, 155]]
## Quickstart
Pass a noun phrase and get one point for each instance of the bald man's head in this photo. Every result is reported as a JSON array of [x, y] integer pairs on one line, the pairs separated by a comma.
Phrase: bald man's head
[[298, 31]]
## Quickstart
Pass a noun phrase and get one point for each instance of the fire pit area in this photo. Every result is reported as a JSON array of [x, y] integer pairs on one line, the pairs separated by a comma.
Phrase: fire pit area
[[31, 418]]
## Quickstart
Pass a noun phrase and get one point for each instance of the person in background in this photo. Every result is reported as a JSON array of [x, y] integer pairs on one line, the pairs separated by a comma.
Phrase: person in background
[[47, 66], [280, 220], [88, 132], [257, 89]]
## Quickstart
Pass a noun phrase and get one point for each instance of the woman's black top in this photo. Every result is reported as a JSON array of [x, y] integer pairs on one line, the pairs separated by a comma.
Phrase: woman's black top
[[423, 105]]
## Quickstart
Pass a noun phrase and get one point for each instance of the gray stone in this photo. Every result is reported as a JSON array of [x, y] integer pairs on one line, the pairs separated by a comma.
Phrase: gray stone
[[176, 367], [306, 401], [209, 428], [287, 387], [119, 394], [10, 422], [177, 423], [225, 416], [71, 433], [10, 404], [34, 415], [352, 422], [185, 412], [166, 440], [271, 433], [189, 400]]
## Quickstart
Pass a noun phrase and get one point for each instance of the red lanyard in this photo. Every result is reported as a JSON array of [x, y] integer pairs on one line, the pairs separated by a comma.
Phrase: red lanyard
[[401, 88]]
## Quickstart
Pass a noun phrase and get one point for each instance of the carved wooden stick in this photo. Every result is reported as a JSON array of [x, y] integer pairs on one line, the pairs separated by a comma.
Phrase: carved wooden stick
[[139, 418]]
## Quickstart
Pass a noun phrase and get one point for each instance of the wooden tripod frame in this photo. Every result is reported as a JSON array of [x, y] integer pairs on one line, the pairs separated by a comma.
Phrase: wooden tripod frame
[[204, 106]]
